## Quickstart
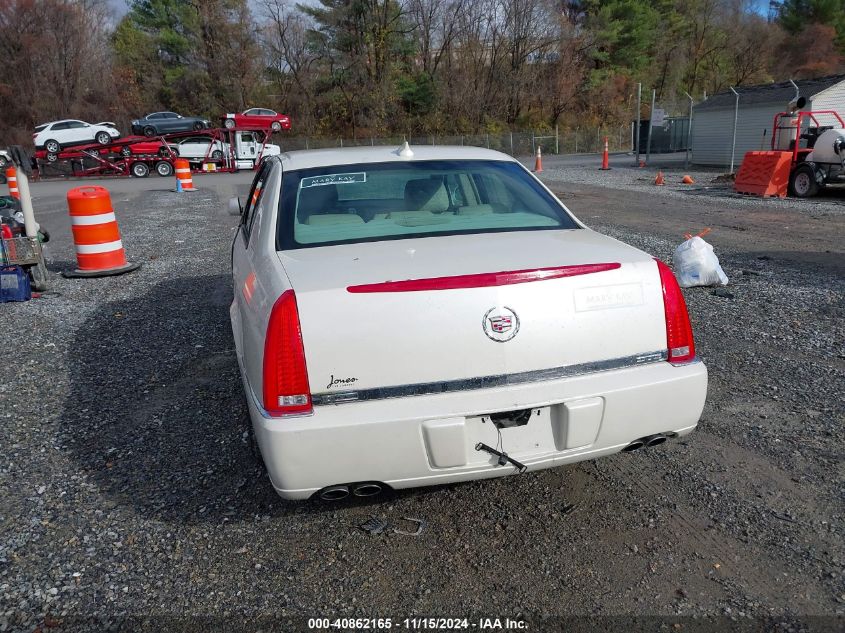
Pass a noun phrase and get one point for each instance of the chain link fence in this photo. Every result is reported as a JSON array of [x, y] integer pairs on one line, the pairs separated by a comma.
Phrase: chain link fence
[[559, 141]]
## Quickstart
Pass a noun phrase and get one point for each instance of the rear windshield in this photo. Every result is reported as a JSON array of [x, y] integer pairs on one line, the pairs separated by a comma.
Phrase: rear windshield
[[41, 128], [386, 201]]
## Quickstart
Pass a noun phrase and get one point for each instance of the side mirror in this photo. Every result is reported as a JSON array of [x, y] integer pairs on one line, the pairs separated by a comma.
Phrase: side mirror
[[235, 207]]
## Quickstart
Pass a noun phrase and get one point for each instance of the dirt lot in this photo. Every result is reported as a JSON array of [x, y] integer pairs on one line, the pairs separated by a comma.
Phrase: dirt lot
[[129, 498]]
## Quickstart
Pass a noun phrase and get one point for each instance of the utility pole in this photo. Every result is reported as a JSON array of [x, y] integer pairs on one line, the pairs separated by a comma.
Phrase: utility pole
[[650, 128], [639, 105], [736, 116], [689, 129]]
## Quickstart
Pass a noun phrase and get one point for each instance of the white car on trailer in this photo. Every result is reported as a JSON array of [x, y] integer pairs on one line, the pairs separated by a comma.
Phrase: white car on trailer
[[248, 148], [57, 135], [418, 316]]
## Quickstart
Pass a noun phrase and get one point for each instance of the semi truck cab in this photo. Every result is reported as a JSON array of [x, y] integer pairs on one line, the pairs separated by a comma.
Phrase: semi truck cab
[[251, 147]]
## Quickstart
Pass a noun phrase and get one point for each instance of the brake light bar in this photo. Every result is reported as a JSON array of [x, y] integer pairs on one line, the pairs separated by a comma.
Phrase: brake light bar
[[483, 280], [679, 338], [285, 389]]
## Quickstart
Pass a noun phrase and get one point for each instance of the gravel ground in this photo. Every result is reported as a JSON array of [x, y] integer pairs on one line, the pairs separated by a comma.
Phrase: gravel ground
[[129, 499], [709, 183]]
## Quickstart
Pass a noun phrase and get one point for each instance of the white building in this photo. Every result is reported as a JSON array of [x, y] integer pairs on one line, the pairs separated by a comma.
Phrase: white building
[[713, 119]]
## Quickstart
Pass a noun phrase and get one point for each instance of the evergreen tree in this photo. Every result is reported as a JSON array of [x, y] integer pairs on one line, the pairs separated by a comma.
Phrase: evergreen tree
[[796, 15], [195, 58]]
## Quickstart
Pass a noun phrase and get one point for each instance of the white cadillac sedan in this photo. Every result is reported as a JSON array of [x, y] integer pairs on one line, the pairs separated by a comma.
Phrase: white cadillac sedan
[[417, 316]]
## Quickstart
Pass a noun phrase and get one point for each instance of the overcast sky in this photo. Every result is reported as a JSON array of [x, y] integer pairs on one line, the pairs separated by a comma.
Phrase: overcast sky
[[121, 6]]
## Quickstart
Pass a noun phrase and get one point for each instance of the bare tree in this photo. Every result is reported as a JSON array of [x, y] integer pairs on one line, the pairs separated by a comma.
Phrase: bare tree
[[286, 46], [57, 61]]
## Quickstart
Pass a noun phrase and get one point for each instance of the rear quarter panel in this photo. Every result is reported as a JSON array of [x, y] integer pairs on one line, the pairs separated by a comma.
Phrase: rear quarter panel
[[261, 270]]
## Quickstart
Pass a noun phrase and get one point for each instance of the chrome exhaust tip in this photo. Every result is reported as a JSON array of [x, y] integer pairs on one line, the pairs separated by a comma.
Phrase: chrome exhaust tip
[[369, 489], [633, 446], [334, 493], [655, 440]]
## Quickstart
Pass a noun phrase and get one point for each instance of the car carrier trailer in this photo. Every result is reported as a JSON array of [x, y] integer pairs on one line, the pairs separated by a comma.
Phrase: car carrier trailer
[[138, 156]]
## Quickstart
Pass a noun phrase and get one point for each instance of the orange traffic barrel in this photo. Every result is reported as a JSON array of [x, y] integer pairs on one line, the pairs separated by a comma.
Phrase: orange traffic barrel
[[12, 180], [183, 175], [96, 237]]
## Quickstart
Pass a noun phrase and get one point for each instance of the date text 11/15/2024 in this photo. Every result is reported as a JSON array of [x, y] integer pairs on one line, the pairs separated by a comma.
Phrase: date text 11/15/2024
[[418, 624]]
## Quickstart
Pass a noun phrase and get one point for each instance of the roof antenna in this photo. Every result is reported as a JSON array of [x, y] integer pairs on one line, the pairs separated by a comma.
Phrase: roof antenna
[[405, 151]]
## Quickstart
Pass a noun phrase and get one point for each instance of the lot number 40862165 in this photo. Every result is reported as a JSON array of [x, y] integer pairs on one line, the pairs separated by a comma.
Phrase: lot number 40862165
[[346, 624]]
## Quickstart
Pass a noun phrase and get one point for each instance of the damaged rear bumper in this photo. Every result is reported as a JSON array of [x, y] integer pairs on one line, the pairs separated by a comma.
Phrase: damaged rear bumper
[[431, 439]]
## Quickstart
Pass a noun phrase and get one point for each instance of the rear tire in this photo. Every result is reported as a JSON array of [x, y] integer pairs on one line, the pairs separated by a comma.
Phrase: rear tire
[[217, 154], [125, 151], [149, 131], [164, 169], [802, 182], [140, 170], [103, 138], [52, 146], [198, 126], [51, 157], [229, 124], [276, 126]]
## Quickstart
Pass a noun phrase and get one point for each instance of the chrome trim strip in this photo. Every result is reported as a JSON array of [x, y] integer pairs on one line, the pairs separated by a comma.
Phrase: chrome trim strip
[[486, 382], [692, 361]]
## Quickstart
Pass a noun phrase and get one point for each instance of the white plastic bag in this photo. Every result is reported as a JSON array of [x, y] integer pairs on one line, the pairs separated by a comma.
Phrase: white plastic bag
[[697, 265]]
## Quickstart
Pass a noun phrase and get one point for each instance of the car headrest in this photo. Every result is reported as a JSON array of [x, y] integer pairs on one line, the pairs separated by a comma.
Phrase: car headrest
[[329, 219], [316, 200], [426, 194]]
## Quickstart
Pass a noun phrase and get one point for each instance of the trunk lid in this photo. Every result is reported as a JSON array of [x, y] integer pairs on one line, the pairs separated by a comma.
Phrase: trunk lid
[[375, 336]]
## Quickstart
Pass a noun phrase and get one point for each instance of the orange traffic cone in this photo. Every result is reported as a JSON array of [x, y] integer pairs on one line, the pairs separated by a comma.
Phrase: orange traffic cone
[[96, 238], [12, 180], [687, 180], [659, 180], [538, 162], [605, 159]]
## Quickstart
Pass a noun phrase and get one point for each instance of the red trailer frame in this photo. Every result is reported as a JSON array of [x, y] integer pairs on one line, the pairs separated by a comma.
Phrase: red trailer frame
[[111, 160]]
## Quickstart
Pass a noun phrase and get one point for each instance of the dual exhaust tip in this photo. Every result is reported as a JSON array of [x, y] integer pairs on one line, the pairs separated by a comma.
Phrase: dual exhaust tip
[[373, 488], [648, 440], [342, 491]]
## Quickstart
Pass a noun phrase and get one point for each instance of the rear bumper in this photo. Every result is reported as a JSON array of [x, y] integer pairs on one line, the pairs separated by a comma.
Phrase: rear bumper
[[430, 439]]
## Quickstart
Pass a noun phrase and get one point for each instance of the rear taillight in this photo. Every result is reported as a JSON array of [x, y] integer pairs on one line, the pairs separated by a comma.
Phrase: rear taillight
[[286, 388], [679, 338]]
